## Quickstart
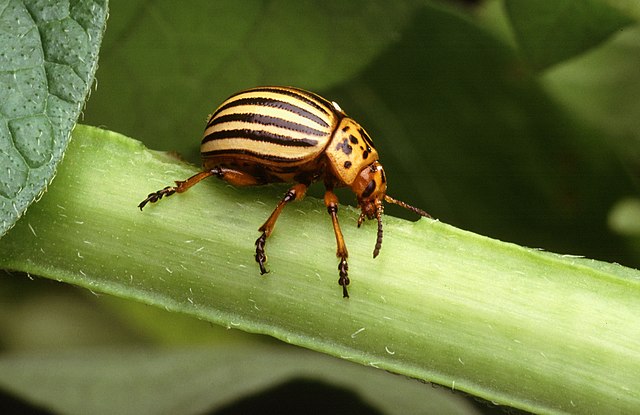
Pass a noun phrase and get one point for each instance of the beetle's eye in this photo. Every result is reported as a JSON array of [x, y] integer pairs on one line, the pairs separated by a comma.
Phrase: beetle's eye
[[369, 189]]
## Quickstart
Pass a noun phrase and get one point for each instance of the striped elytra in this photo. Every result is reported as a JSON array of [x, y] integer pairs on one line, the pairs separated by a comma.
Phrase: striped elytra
[[282, 134], [285, 134]]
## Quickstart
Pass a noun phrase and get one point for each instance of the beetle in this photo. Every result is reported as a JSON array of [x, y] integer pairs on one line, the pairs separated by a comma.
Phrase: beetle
[[285, 134]]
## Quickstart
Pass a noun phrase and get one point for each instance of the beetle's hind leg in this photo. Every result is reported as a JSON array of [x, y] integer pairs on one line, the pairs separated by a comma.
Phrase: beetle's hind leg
[[297, 192], [235, 177], [181, 186]]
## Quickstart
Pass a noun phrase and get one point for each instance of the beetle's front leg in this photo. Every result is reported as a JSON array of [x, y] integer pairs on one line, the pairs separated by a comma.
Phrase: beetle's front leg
[[331, 202], [297, 192]]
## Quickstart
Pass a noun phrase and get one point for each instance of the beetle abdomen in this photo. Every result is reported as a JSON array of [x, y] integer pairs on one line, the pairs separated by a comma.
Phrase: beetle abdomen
[[271, 127]]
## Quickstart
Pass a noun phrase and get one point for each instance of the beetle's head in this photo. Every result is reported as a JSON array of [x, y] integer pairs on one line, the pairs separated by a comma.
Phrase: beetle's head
[[370, 187]]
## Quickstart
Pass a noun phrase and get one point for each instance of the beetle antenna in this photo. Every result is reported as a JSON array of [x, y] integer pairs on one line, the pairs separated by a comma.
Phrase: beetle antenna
[[406, 206], [376, 250]]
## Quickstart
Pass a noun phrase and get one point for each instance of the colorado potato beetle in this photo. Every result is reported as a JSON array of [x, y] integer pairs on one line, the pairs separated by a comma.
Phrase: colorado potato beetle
[[284, 134]]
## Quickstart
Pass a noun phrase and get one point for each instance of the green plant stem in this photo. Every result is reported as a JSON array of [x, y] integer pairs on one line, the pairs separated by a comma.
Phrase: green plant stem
[[517, 326]]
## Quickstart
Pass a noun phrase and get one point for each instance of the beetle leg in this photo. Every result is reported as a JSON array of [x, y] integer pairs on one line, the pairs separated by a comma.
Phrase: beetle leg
[[297, 192], [231, 176], [236, 178], [181, 186], [331, 202]]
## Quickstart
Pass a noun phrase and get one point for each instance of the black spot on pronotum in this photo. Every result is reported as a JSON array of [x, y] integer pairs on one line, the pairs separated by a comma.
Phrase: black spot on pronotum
[[353, 139], [369, 189], [365, 136], [347, 164], [365, 154], [344, 146]]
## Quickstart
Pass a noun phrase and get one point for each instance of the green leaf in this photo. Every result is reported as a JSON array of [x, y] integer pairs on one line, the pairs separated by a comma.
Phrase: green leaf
[[552, 31], [202, 380], [512, 325], [48, 57]]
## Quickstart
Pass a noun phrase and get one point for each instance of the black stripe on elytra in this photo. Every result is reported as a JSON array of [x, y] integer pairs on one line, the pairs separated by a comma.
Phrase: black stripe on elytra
[[257, 156], [260, 135], [273, 103], [267, 120], [308, 97]]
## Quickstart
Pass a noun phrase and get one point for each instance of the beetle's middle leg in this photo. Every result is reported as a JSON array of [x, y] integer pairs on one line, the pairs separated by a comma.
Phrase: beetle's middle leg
[[297, 192], [331, 202]]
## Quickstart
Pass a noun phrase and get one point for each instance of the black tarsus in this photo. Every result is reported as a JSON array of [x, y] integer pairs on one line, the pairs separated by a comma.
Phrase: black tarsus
[[155, 196], [261, 258], [343, 267]]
